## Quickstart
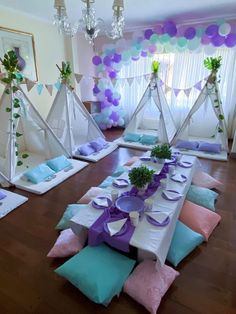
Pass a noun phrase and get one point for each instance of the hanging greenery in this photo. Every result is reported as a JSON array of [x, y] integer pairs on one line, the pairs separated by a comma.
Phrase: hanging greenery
[[65, 72], [213, 64], [13, 78], [155, 66]]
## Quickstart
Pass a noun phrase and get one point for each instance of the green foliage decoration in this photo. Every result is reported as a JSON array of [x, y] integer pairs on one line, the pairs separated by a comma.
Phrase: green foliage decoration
[[213, 64], [65, 72], [161, 151], [140, 176]]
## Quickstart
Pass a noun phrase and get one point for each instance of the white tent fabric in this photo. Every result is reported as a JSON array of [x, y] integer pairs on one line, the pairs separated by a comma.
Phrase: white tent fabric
[[73, 124], [209, 96], [23, 131], [152, 116]]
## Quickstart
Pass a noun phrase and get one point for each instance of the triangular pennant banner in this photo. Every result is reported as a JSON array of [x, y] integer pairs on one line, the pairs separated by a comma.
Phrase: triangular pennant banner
[[49, 88], [122, 82], [176, 91], [130, 80], [57, 85], [96, 80], [161, 83], [78, 77], [39, 88], [187, 91], [114, 83], [29, 84], [198, 85]]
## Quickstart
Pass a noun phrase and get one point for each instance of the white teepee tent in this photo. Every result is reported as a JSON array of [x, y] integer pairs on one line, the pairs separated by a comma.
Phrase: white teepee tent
[[26, 140], [152, 116], [73, 124], [210, 97]]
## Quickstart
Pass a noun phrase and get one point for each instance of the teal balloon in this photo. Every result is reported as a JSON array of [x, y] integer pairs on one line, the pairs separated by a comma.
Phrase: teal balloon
[[134, 52], [145, 44], [193, 44], [154, 38], [200, 32], [126, 55], [182, 42], [138, 46], [164, 38]]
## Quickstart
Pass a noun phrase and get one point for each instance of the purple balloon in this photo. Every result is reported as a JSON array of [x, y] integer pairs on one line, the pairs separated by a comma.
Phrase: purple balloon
[[217, 40], [135, 58], [115, 102], [148, 33], [212, 30], [96, 90], [205, 40], [110, 99], [230, 40], [190, 33], [114, 116], [97, 60], [103, 105], [170, 28], [117, 58], [152, 48], [107, 61], [108, 92], [144, 53], [112, 75]]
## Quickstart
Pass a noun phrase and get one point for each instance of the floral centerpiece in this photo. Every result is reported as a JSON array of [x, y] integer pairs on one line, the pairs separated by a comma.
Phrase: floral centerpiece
[[161, 152], [140, 177]]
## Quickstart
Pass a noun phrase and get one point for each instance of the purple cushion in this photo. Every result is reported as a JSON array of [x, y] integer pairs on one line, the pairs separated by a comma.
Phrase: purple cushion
[[193, 145], [2, 195], [209, 147], [98, 144], [86, 149]]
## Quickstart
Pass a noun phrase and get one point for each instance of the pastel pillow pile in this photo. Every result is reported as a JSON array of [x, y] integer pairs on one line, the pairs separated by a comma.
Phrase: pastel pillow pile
[[199, 146], [145, 139], [147, 285], [92, 147], [46, 170]]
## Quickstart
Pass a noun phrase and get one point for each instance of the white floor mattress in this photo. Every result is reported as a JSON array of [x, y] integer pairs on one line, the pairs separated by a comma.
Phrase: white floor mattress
[[10, 202], [32, 161], [99, 155], [223, 156]]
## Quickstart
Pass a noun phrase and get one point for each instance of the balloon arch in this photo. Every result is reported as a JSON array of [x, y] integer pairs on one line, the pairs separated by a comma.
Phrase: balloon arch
[[164, 38]]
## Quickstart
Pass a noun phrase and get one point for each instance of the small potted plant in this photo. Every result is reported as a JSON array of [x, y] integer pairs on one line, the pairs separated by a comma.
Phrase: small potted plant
[[140, 177], [65, 73], [161, 152]]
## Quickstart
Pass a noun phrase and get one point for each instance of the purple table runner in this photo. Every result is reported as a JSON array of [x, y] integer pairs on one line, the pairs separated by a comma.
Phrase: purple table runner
[[97, 234]]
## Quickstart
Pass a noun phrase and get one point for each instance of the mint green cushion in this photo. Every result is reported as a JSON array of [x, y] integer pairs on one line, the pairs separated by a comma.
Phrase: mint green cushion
[[132, 137], [148, 139], [119, 171], [70, 212], [99, 272], [39, 173], [184, 241], [59, 163], [107, 182], [202, 196]]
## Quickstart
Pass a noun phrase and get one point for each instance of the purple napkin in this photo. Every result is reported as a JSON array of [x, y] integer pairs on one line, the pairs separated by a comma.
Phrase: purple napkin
[[97, 234], [2, 195]]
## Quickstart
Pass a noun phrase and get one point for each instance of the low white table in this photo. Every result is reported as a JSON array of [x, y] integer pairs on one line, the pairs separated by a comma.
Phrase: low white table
[[151, 241]]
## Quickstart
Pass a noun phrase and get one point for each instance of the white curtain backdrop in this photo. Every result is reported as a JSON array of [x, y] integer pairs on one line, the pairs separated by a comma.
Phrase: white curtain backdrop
[[183, 70]]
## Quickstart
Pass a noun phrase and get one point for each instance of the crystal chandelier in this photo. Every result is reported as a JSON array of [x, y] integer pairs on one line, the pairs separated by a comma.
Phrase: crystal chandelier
[[89, 24]]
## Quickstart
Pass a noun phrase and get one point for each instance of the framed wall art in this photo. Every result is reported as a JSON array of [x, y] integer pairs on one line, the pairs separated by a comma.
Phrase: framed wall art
[[23, 44]]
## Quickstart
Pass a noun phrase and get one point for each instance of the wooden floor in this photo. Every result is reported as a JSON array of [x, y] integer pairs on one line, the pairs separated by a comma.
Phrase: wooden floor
[[28, 284]]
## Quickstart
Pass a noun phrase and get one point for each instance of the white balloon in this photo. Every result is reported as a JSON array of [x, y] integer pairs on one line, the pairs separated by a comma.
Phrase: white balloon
[[209, 49], [224, 29]]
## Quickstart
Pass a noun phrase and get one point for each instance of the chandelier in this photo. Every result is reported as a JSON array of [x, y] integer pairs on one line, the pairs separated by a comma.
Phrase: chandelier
[[89, 24]]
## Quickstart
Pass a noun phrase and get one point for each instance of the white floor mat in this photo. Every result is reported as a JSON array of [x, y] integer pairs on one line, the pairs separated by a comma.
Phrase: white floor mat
[[10, 202], [99, 155]]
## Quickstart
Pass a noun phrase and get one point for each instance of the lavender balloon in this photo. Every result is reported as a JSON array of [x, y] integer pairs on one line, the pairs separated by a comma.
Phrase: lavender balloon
[[96, 60], [170, 28], [190, 33], [212, 30], [148, 33], [230, 40], [217, 40]]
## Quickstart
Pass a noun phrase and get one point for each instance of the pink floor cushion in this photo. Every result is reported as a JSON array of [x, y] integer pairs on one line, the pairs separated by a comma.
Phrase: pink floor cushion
[[147, 286], [131, 161], [68, 244], [199, 219], [204, 180]]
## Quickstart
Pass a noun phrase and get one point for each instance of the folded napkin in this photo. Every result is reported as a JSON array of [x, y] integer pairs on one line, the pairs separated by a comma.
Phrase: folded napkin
[[160, 217], [101, 201], [178, 177], [172, 195], [185, 164], [120, 182], [115, 226], [2, 195]]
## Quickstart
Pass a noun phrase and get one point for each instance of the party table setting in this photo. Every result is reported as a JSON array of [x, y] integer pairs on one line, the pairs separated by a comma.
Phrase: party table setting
[[123, 215]]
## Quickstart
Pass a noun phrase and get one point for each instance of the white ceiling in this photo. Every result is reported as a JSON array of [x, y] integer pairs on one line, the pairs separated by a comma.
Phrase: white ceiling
[[137, 12]]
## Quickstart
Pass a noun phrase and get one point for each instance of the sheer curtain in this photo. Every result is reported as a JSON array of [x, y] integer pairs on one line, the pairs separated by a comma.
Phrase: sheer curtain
[[183, 70]]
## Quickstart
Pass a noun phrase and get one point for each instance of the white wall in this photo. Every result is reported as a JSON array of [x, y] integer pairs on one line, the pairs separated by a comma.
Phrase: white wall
[[50, 49]]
